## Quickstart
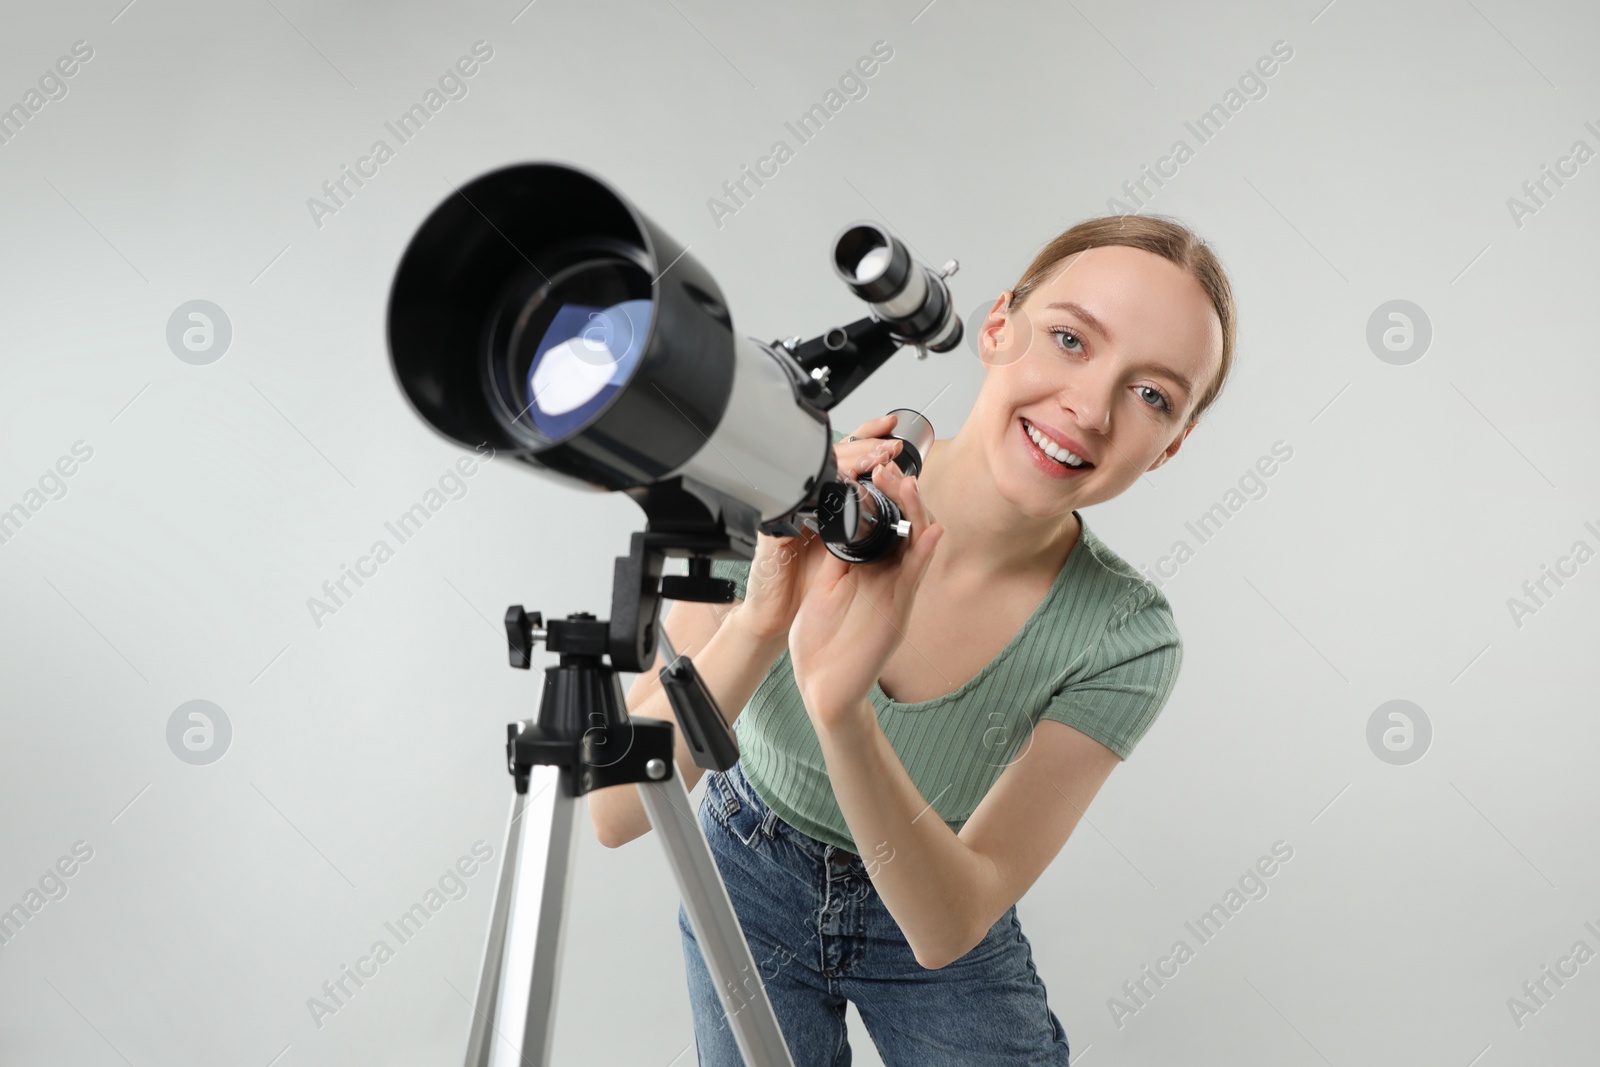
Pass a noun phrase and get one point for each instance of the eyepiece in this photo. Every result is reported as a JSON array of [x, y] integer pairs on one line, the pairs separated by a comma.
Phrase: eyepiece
[[857, 521], [872, 262], [916, 438], [906, 294]]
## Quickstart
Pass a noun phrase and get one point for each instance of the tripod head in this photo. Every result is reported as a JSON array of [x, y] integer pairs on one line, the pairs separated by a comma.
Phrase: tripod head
[[583, 720]]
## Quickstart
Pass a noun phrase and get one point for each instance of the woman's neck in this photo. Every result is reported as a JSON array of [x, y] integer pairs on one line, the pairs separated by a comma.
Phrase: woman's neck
[[985, 536]]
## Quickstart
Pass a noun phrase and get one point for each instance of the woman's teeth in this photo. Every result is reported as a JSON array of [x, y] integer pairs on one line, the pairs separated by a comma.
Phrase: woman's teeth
[[1050, 448]]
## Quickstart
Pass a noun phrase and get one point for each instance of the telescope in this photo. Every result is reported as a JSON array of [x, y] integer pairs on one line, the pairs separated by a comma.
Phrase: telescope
[[538, 312]]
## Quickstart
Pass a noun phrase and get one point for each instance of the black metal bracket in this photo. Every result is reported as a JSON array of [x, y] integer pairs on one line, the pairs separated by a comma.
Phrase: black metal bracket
[[850, 354]]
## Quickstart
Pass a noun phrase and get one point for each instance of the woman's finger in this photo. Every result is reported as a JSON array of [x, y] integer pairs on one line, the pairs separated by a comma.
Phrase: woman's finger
[[872, 426], [922, 551], [853, 458], [925, 530], [928, 517], [906, 492], [902, 489], [868, 441], [830, 570], [877, 454]]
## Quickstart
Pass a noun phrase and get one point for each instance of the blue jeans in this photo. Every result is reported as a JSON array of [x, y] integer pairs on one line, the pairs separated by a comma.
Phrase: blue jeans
[[821, 936]]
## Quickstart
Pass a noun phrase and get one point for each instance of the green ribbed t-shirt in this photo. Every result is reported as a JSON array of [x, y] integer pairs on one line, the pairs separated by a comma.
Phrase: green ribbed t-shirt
[[1101, 653]]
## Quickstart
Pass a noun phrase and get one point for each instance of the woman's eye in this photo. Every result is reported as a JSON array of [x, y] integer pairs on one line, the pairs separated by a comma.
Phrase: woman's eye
[[1155, 398], [1071, 342], [1066, 339]]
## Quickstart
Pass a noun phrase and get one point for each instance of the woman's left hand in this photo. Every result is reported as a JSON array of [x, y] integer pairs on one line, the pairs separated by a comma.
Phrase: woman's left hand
[[852, 617]]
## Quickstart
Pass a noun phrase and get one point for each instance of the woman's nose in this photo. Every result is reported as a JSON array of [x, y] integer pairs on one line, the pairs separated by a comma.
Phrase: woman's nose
[[1089, 399]]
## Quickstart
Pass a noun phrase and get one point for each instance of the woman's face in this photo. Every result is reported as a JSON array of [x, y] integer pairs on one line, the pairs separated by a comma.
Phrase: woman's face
[[1107, 356]]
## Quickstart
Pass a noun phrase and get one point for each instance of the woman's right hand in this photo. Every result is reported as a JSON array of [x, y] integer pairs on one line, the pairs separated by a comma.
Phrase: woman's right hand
[[782, 566]]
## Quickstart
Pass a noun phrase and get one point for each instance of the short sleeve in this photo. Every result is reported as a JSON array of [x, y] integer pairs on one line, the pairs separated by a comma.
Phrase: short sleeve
[[1132, 672]]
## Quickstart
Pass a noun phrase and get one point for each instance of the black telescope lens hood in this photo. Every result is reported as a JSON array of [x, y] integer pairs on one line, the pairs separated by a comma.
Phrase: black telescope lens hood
[[496, 242]]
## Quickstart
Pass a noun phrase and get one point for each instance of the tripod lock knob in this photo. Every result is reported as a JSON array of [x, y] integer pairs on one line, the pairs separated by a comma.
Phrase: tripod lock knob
[[522, 630]]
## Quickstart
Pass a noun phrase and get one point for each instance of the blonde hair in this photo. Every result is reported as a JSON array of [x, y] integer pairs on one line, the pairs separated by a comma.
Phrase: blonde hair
[[1165, 237]]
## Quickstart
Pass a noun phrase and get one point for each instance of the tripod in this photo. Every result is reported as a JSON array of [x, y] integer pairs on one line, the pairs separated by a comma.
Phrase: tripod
[[583, 740]]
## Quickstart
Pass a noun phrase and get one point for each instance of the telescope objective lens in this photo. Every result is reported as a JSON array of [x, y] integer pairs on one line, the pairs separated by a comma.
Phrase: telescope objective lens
[[576, 343]]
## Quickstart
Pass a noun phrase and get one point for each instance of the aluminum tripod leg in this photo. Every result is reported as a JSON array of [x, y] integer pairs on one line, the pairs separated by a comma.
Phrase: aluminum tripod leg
[[512, 1025], [715, 925], [515, 1013]]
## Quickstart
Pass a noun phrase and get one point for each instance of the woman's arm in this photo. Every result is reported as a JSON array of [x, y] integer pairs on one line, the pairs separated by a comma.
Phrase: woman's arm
[[945, 890], [731, 660]]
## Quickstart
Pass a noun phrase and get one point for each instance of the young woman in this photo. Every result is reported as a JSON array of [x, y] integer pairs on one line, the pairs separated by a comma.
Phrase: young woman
[[905, 776]]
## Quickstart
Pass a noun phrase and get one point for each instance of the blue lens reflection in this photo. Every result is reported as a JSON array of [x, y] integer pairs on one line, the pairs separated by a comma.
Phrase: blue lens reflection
[[586, 355]]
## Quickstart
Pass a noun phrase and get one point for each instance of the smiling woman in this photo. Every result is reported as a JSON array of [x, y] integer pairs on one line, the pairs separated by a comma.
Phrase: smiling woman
[[919, 736]]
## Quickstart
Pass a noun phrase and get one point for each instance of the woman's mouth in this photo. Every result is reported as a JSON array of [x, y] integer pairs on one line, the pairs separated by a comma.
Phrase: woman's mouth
[[1036, 443]]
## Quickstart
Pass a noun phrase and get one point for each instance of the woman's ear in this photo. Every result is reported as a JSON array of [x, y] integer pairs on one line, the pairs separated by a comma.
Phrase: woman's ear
[[1172, 449], [993, 323], [1004, 329]]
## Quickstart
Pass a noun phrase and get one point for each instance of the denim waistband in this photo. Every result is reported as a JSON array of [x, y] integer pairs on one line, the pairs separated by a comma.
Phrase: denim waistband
[[823, 852]]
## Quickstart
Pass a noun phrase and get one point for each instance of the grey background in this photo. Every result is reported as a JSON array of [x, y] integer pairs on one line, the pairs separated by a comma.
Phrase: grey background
[[363, 762]]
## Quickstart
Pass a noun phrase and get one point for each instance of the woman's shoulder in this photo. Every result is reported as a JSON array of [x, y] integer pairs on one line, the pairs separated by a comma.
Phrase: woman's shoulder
[[1107, 580]]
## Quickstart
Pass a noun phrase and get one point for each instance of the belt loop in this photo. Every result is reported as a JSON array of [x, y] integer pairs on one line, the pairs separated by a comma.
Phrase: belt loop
[[769, 824], [730, 796]]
